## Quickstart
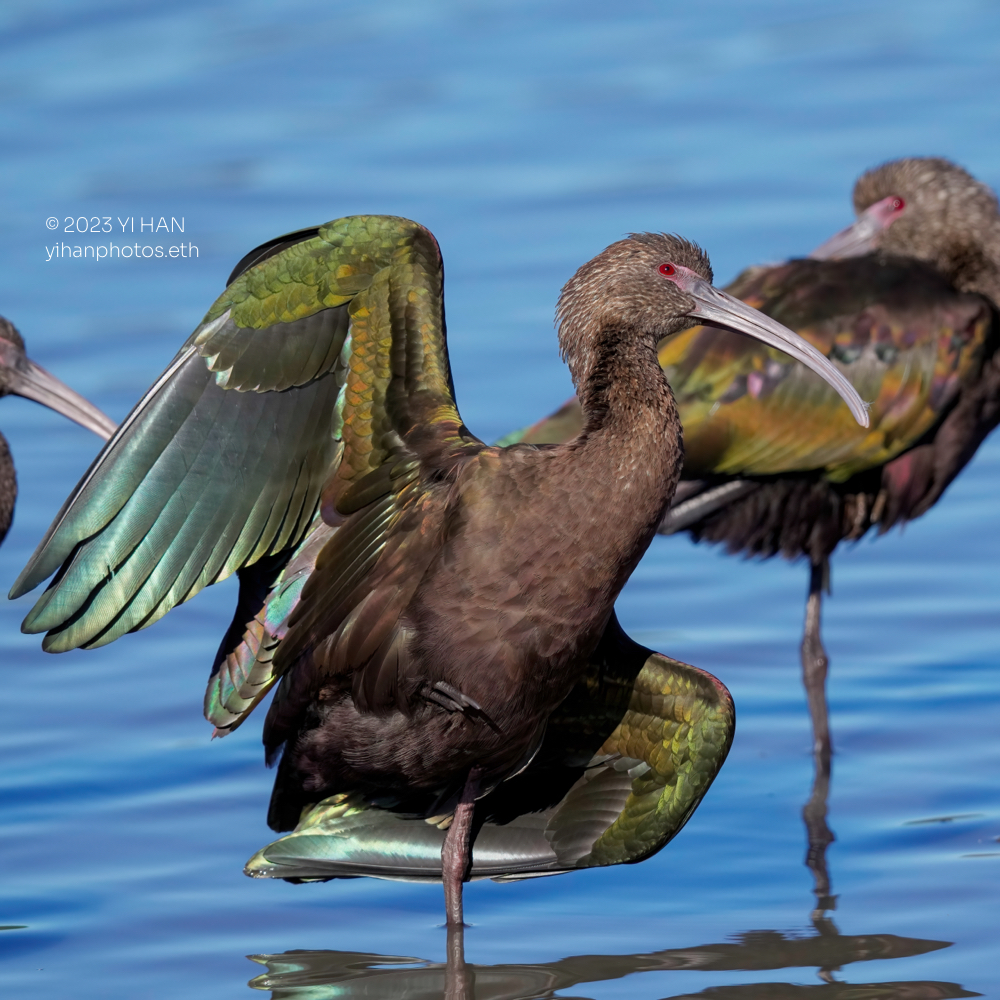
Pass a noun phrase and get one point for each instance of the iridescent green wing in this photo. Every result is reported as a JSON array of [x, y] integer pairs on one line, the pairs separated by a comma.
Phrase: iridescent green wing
[[674, 726], [318, 366], [399, 425], [625, 762], [903, 336]]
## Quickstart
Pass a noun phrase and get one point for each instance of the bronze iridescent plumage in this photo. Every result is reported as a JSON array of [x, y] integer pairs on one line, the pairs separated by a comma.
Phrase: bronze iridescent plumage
[[425, 603]]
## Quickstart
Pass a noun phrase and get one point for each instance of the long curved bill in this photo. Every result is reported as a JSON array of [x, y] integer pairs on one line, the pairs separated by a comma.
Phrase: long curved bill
[[859, 238], [34, 382], [720, 309]]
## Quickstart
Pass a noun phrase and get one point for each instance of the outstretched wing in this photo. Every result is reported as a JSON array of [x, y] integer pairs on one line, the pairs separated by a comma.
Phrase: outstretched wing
[[903, 336], [625, 762], [319, 376]]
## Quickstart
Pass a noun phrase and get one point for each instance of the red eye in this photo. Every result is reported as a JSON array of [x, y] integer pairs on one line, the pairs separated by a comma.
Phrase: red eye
[[898, 204], [668, 269]]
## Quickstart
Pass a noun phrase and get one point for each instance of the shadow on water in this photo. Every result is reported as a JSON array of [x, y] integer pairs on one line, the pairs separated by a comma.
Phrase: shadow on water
[[318, 975]]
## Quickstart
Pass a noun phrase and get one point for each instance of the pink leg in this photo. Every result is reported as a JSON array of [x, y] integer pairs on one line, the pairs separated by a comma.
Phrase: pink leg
[[456, 854]]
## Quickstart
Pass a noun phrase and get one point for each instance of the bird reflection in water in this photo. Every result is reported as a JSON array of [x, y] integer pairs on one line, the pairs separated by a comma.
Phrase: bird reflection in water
[[319, 975]]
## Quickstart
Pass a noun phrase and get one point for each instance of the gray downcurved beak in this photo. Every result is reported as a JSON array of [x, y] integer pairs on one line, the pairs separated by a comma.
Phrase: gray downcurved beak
[[859, 238], [34, 382], [720, 309]]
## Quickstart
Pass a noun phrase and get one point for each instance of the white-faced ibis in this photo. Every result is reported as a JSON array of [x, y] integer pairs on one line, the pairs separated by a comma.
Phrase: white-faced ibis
[[770, 465], [20, 376], [426, 602]]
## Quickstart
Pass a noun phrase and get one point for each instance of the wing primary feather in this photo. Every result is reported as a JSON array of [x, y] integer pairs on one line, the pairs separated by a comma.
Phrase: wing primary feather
[[134, 535], [268, 513], [50, 551]]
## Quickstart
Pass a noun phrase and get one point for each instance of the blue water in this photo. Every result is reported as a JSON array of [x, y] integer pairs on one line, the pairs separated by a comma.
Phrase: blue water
[[527, 136]]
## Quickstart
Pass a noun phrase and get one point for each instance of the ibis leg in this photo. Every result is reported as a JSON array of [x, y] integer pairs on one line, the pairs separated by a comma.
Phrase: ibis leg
[[814, 670], [815, 662], [456, 852]]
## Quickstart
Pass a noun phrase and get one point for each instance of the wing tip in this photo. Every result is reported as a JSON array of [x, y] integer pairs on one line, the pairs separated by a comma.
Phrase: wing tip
[[26, 581]]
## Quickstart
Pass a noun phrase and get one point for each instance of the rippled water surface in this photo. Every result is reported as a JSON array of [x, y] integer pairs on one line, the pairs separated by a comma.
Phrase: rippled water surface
[[527, 136]]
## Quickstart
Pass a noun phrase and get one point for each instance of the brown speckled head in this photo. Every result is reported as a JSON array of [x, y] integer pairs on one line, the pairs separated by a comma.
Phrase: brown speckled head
[[618, 306], [950, 220], [622, 288]]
